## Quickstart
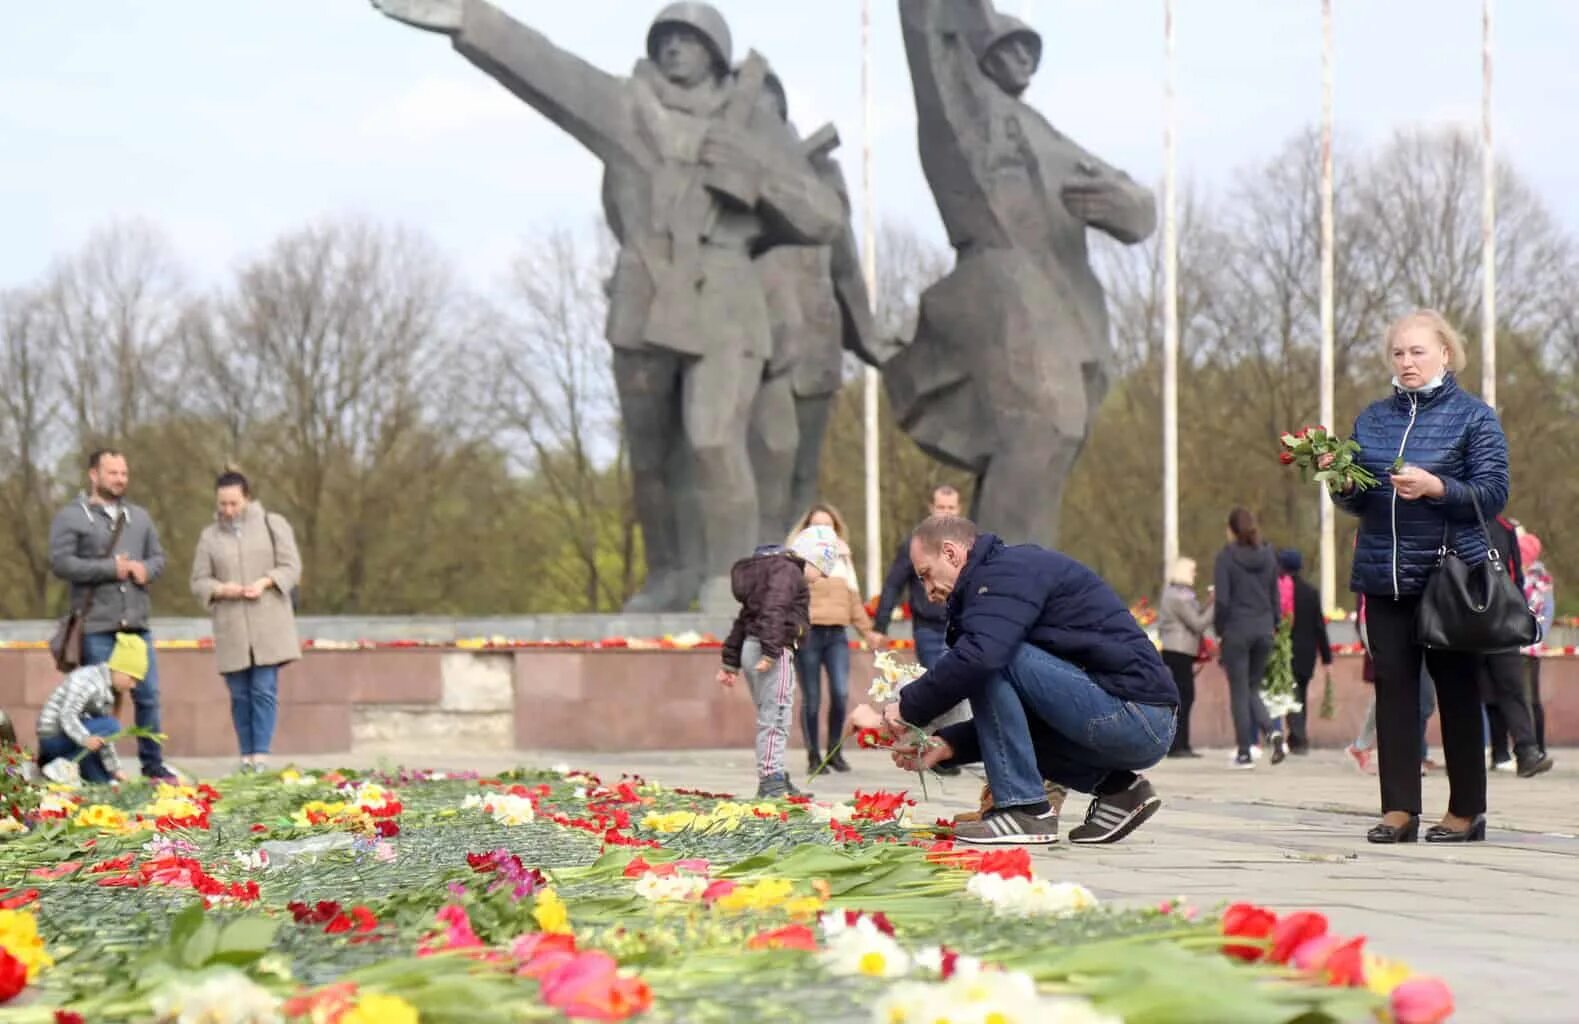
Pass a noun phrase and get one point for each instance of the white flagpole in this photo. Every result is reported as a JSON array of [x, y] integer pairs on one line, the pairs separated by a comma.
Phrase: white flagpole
[[1170, 312], [874, 525], [1329, 542], [1488, 220]]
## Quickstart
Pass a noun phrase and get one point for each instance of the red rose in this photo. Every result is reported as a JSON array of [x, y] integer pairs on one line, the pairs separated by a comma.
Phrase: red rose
[[13, 976], [1247, 921], [1286, 458]]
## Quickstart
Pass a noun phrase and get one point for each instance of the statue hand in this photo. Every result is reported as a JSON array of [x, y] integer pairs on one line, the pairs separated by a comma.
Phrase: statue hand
[[430, 15], [1094, 200]]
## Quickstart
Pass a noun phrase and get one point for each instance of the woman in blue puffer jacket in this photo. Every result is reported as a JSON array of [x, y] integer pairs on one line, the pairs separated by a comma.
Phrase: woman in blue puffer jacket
[[1436, 448]]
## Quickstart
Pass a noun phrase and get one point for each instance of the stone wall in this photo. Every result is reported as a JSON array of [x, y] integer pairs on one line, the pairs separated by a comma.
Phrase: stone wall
[[567, 699]]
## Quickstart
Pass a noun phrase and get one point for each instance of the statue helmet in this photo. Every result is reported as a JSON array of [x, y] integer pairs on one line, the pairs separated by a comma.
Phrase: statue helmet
[[1003, 28], [701, 18]]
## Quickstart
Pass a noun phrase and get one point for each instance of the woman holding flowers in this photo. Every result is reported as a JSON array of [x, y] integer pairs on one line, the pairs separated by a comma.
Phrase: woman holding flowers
[[1436, 450], [244, 572]]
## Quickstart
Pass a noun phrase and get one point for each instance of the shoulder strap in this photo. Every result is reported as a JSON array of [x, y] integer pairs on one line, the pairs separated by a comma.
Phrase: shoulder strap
[[109, 552]]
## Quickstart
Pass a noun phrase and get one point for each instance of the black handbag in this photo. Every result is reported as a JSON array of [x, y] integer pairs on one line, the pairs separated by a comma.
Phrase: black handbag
[[1474, 608]]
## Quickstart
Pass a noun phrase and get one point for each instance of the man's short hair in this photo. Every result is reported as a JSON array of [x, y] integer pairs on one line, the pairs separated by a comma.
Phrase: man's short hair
[[934, 530], [98, 455], [947, 490]]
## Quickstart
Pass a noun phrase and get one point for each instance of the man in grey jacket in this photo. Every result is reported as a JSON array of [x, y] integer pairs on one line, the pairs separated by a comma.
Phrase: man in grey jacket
[[81, 554]]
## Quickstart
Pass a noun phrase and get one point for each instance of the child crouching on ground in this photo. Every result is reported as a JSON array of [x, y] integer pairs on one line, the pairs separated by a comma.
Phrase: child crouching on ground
[[775, 614], [81, 711]]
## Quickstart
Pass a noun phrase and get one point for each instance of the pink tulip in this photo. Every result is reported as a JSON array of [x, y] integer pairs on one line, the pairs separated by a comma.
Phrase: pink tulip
[[1421, 1001]]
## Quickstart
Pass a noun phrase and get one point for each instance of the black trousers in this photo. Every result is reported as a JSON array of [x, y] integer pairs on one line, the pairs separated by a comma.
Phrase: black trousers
[[1183, 668], [1397, 657], [1527, 711], [1297, 733], [1244, 659]]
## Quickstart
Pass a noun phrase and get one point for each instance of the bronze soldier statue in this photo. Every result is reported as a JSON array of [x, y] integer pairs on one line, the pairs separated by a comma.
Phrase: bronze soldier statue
[[1011, 354], [819, 309], [698, 176]]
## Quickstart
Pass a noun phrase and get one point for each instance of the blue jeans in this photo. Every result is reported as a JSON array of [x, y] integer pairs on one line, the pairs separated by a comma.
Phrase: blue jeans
[[254, 698], [824, 646], [60, 745], [96, 648], [930, 644], [1043, 718]]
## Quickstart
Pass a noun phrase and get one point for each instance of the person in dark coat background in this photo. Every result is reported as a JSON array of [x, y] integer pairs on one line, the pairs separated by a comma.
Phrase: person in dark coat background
[[1502, 679], [1310, 642], [1246, 616]]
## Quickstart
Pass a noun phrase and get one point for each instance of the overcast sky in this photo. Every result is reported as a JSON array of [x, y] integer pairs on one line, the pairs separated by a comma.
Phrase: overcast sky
[[226, 122]]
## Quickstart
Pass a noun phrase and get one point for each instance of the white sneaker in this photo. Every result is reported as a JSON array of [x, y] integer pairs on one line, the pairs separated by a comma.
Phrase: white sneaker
[[1255, 751]]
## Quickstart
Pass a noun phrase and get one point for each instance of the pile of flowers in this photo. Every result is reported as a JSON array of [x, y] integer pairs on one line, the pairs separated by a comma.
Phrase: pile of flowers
[[359, 897]]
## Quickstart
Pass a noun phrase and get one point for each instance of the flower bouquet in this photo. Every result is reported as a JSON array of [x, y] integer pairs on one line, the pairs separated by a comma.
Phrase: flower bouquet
[[892, 676], [1278, 685], [1309, 445]]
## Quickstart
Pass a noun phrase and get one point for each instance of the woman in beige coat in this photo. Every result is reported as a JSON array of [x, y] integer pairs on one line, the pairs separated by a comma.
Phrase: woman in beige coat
[[244, 573], [835, 606]]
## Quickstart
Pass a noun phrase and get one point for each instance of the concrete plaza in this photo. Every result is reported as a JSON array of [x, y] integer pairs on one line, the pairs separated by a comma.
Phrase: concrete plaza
[[1495, 919]]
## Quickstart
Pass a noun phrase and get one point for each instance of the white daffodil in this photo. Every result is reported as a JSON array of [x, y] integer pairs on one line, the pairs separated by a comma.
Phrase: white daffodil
[[257, 860], [677, 888], [1024, 897], [863, 949], [223, 996]]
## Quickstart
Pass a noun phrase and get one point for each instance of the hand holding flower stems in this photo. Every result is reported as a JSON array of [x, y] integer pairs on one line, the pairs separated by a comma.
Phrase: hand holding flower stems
[[878, 724], [1331, 457]]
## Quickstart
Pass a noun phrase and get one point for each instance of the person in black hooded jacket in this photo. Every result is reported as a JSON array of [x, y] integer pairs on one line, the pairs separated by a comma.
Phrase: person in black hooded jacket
[[1246, 616]]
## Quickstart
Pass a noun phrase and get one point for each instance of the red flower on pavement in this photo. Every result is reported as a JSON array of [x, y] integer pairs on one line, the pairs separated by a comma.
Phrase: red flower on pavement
[[1421, 1001], [1339, 961], [879, 920], [68, 1017], [844, 833], [359, 919], [320, 913], [1293, 931], [1005, 863], [1247, 921], [13, 976], [879, 806], [17, 901], [329, 1003], [718, 890], [793, 936], [590, 986], [60, 870]]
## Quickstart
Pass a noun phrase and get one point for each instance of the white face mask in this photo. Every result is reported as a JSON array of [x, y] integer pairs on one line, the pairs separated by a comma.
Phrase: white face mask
[[1430, 385]]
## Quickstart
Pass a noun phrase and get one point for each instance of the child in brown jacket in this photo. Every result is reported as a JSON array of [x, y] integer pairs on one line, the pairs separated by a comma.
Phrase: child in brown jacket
[[771, 586]]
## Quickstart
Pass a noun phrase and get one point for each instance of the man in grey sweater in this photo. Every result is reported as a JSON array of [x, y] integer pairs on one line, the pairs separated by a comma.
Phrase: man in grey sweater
[[80, 553]]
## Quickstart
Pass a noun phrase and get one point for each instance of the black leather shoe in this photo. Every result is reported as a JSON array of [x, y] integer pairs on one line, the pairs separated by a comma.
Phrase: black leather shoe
[[838, 763], [1475, 833], [1385, 833], [813, 760], [1534, 763]]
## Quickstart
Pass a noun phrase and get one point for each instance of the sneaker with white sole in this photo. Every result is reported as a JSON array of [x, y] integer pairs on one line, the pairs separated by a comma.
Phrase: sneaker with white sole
[[1242, 762], [1114, 816], [1009, 826]]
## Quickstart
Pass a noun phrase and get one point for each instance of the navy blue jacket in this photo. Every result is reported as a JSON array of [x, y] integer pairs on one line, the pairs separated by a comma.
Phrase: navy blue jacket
[[1445, 431], [1007, 596]]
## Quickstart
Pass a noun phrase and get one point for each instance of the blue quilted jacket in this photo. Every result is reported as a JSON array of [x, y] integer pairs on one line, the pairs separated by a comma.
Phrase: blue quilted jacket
[[1448, 432]]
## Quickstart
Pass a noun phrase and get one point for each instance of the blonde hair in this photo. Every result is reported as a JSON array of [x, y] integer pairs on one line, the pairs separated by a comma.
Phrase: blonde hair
[[1183, 572], [1438, 325], [821, 506]]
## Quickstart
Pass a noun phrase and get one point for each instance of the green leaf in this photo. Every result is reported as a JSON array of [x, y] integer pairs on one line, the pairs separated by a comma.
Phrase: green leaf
[[244, 940], [199, 947]]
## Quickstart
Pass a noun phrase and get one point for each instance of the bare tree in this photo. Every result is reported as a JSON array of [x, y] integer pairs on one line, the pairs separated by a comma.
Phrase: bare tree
[[112, 306], [553, 391], [29, 404]]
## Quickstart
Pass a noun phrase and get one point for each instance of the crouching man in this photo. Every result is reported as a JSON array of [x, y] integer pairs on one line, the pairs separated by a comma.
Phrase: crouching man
[[1063, 686]]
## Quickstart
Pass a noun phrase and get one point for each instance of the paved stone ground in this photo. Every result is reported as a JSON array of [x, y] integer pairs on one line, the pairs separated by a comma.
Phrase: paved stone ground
[[1495, 919]]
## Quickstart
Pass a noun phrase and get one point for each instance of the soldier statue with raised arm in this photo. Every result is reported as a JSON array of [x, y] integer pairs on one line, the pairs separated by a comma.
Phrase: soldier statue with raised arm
[[699, 175], [1011, 353]]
